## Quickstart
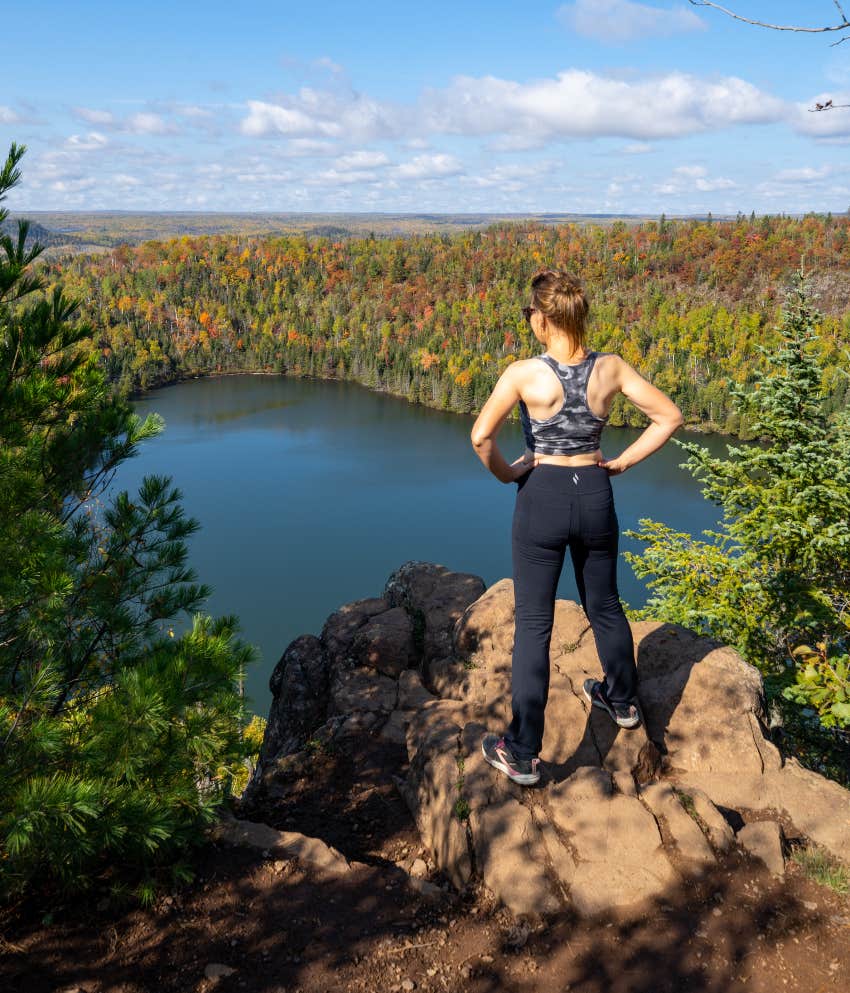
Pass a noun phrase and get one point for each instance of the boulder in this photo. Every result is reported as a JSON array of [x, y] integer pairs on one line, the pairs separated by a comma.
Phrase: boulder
[[340, 629], [818, 808], [763, 840], [385, 642], [431, 790], [702, 702], [510, 851], [615, 841], [299, 685], [486, 626], [361, 689], [435, 598], [312, 852], [683, 830], [411, 693], [718, 829]]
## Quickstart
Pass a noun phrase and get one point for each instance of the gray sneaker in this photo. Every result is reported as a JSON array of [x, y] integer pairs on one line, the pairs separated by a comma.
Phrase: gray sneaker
[[497, 753], [626, 715]]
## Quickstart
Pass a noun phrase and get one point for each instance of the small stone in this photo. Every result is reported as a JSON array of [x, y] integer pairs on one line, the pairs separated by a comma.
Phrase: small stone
[[717, 912], [763, 839], [217, 970], [419, 869], [408, 984], [809, 905], [486, 958], [278, 865]]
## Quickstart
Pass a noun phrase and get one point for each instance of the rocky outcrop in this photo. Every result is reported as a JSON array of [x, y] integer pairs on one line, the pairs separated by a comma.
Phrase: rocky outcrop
[[618, 816], [364, 673]]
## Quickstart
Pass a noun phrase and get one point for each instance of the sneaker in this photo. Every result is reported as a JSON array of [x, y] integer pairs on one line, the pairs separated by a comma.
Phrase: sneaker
[[497, 753], [626, 715]]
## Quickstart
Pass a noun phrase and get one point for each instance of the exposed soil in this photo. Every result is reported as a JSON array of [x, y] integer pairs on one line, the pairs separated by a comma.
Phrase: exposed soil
[[282, 931]]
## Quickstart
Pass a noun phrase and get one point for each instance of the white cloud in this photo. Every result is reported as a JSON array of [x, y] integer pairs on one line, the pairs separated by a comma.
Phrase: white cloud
[[8, 116], [637, 148], [264, 177], [104, 118], [712, 185], [578, 103], [93, 140], [806, 174], [429, 167], [512, 177], [338, 177], [264, 118], [515, 143], [145, 123], [363, 159], [308, 147], [823, 124], [687, 178], [321, 113], [327, 63], [623, 20], [189, 110], [73, 185]]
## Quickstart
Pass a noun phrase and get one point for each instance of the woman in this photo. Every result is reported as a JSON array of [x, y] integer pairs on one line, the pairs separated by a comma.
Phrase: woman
[[564, 499]]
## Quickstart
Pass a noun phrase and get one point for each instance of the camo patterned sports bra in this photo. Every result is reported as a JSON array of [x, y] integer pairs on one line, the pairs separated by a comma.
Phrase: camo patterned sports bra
[[574, 429]]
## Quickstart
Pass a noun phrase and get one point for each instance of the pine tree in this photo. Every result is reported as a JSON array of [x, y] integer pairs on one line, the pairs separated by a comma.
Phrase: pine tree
[[117, 739], [774, 580]]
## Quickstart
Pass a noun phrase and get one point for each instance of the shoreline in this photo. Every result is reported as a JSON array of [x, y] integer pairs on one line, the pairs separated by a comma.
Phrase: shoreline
[[698, 428]]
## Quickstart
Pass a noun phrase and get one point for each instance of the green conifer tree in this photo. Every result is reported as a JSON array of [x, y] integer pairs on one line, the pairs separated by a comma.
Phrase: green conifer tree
[[774, 580], [117, 738]]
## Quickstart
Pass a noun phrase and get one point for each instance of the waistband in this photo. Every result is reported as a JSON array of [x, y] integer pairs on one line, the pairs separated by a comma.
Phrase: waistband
[[581, 469]]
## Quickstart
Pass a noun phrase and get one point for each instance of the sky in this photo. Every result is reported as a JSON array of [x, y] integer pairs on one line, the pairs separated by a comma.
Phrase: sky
[[589, 106]]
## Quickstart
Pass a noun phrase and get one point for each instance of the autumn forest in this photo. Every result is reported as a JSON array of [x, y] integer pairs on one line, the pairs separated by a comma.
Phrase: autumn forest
[[437, 317]]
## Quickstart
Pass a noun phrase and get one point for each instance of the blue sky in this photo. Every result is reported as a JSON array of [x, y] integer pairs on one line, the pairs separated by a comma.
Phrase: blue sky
[[588, 106]]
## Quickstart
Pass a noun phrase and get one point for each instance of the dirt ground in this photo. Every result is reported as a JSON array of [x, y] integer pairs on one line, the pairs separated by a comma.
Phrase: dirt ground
[[281, 931]]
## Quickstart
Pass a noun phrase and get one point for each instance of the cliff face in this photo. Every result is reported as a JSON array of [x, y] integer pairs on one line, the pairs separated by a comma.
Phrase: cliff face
[[618, 817]]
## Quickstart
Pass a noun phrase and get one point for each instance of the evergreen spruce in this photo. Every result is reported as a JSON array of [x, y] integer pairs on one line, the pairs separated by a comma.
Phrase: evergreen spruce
[[118, 739], [774, 580]]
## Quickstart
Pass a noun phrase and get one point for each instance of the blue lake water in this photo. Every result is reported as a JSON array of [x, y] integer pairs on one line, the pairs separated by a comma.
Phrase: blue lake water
[[310, 493]]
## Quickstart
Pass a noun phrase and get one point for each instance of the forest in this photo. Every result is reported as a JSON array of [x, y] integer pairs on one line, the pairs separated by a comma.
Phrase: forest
[[436, 317]]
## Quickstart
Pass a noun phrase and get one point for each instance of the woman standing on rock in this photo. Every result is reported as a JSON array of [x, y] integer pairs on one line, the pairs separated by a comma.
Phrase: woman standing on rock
[[564, 499]]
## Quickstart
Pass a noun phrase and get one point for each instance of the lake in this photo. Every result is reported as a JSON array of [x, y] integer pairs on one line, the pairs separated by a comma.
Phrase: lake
[[310, 493]]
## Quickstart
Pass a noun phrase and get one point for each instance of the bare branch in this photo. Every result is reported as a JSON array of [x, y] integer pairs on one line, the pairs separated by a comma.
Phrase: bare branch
[[843, 26]]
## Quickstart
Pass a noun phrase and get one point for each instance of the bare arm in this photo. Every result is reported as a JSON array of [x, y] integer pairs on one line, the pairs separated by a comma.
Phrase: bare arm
[[659, 408], [494, 413]]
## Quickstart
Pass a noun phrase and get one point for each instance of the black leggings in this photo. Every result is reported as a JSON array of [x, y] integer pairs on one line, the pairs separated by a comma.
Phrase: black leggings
[[559, 506]]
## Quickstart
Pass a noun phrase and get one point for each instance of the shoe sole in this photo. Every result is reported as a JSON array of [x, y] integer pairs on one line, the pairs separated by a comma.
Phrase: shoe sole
[[598, 703], [524, 779]]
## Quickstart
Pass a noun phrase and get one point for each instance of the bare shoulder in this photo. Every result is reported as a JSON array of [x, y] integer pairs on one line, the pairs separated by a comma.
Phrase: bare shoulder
[[612, 367], [519, 370]]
